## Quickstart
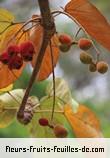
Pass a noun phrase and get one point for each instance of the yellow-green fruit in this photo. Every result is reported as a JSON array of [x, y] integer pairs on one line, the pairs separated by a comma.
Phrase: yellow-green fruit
[[102, 67], [85, 58], [92, 67], [60, 131], [64, 47]]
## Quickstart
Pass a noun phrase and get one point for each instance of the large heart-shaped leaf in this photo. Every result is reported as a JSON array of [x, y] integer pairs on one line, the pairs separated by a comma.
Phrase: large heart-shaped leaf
[[36, 36], [85, 124]]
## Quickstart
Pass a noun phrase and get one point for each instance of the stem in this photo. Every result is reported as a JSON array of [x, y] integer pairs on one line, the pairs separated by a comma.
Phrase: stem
[[35, 111], [49, 30], [48, 111], [22, 27], [13, 97], [77, 32], [72, 18], [26, 31], [11, 24], [97, 52], [54, 88]]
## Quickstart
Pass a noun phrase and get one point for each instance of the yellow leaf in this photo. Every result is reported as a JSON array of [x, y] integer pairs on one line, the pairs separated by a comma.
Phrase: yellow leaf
[[85, 124], [9, 88], [8, 37], [6, 17]]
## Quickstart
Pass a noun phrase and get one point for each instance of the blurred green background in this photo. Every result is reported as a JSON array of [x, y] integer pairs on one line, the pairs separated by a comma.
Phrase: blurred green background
[[92, 89]]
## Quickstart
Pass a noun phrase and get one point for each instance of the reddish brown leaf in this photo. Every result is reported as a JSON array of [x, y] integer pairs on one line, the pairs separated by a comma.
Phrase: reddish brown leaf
[[90, 18], [8, 76], [46, 67], [85, 124]]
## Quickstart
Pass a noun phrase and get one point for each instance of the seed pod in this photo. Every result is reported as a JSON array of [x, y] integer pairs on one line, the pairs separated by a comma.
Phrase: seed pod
[[4, 58], [43, 122], [60, 131], [84, 43], [64, 47], [102, 67], [65, 39], [27, 50], [15, 62], [92, 67], [13, 50], [85, 58], [28, 113]]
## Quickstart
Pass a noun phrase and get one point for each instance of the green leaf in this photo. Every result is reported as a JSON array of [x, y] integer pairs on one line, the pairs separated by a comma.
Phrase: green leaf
[[45, 132], [63, 92], [8, 100], [6, 117], [8, 106], [6, 17]]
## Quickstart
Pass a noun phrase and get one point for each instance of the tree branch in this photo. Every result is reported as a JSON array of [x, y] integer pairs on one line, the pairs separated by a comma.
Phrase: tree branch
[[49, 31]]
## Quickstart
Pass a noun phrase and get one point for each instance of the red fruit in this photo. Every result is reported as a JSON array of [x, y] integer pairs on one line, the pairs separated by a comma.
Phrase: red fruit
[[43, 122], [84, 43], [4, 58], [60, 131], [15, 63], [27, 50], [13, 50], [65, 39]]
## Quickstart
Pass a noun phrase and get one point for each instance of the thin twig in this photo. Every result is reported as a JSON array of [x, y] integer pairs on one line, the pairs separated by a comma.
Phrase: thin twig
[[48, 111], [77, 32], [35, 111], [72, 18], [23, 26], [11, 24], [25, 31], [54, 87]]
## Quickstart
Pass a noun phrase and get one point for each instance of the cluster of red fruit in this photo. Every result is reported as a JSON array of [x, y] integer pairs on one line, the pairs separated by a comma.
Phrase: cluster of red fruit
[[59, 130], [66, 42], [14, 56], [84, 44]]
